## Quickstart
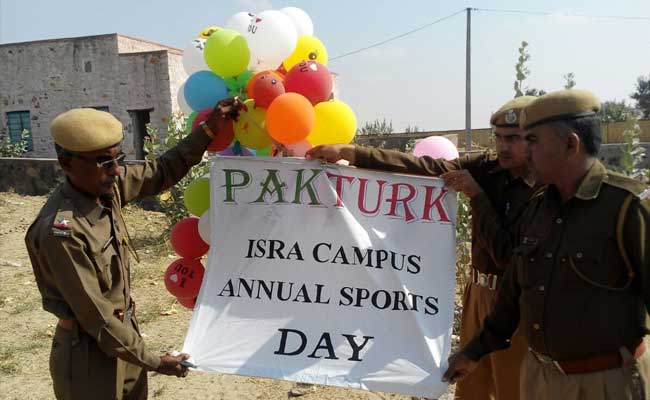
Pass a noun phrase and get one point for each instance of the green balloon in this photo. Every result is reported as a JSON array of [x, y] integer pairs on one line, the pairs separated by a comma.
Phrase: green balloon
[[226, 53], [263, 152], [197, 196]]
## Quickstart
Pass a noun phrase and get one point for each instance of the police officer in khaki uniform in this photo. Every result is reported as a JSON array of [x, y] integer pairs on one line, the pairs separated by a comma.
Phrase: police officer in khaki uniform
[[579, 288], [499, 187], [79, 245]]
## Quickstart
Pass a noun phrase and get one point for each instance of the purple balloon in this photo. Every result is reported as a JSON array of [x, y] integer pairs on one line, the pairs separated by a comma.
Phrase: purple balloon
[[436, 147]]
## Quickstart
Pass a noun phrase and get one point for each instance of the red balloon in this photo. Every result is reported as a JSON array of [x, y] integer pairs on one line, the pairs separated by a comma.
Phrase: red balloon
[[183, 278], [265, 89], [311, 79], [222, 138], [185, 239], [187, 303], [249, 85]]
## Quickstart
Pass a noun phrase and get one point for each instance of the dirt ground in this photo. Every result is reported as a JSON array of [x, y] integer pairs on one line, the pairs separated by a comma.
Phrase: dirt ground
[[26, 330]]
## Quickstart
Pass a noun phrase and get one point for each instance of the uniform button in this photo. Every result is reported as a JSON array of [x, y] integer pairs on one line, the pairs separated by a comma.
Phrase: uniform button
[[532, 259], [563, 259], [549, 255], [541, 288], [558, 221], [536, 327], [579, 254]]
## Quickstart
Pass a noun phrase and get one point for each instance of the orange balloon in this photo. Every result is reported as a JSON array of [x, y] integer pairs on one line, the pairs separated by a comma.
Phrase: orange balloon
[[251, 82], [290, 118]]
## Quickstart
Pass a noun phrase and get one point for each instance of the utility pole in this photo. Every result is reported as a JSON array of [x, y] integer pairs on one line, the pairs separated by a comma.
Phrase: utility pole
[[468, 83]]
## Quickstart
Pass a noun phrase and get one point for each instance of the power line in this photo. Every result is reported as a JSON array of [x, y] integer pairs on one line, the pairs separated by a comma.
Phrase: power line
[[398, 36], [549, 14]]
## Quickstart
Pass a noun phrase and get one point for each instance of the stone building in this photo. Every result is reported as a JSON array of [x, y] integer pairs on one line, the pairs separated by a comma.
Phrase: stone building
[[135, 80]]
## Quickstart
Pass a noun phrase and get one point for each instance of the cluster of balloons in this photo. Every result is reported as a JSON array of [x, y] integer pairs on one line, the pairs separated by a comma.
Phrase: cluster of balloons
[[274, 62]]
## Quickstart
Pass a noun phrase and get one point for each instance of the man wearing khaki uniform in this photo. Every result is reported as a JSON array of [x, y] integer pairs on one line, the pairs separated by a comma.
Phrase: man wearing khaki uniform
[[79, 245], [579, 288], [498, 187]]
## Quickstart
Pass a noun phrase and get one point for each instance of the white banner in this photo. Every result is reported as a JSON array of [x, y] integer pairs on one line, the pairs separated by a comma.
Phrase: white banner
[[327, 274]]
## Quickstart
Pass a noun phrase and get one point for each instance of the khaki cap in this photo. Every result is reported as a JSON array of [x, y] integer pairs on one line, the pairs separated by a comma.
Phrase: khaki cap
[[508, 115], [86, 129], [563, 105]]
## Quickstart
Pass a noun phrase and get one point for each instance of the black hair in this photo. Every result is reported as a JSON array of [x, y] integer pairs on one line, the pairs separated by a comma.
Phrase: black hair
[[588, 130]]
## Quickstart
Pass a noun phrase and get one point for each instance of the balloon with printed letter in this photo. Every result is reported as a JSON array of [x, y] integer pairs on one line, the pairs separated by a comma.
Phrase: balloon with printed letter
[[311, 79], [207, 32], [271, 37], [183, 277], [239, 22]]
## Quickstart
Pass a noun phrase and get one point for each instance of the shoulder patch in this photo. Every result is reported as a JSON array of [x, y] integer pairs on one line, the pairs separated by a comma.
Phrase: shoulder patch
[[62, 224], [628, 184]]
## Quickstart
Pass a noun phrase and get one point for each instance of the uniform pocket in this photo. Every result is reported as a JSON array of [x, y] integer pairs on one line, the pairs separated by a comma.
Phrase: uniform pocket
[[524, 258], [597, 266], [60, 363], [103, 265]]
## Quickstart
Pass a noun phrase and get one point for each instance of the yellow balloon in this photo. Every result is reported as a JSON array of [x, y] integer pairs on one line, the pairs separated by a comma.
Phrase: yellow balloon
[[335, 123], [307, 48], [250, 129], [206, 32]]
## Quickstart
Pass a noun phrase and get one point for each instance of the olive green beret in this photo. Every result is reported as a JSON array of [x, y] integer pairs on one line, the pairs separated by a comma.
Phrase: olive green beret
[[562, 105], [508, 115], [86, 129]]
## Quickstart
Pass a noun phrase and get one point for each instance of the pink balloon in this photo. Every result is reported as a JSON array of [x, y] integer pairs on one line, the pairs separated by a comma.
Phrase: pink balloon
[[299, 148], [436, 147]]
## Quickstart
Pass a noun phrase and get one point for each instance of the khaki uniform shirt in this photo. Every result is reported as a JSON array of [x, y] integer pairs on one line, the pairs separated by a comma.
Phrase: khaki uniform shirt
[[494, 210], [569, 291], [79, 252]]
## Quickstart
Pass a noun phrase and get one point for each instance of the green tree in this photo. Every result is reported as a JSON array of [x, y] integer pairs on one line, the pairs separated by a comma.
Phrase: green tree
[[376, 127], [13, 149], [616, 111], [412, 129], [633, 153], [522, 72], [642, 96], [171, 201]]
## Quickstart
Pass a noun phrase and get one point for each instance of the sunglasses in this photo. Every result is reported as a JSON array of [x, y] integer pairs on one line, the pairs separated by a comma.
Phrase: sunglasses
[[103, 161]]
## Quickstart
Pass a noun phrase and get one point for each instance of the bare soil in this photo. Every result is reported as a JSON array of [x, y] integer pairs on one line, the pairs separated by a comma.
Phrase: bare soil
[[26, 330]]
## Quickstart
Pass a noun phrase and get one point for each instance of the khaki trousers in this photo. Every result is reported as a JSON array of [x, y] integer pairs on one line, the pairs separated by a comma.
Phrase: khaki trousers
[[81, 370], [497, 374], [541, 381]]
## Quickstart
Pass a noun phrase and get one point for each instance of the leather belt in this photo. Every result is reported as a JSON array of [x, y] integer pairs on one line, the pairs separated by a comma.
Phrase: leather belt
[[122, 315], [489, 281], [600, 362]]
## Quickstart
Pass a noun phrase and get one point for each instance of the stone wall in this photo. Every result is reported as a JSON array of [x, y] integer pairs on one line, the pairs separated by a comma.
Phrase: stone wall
[[123, 74]]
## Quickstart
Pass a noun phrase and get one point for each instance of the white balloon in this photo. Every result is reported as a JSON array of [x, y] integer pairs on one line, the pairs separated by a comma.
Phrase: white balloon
[[182, 104], [256, 65], [301, 20], [271, 37], [205, 227], [239, 22], [193, 57]]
